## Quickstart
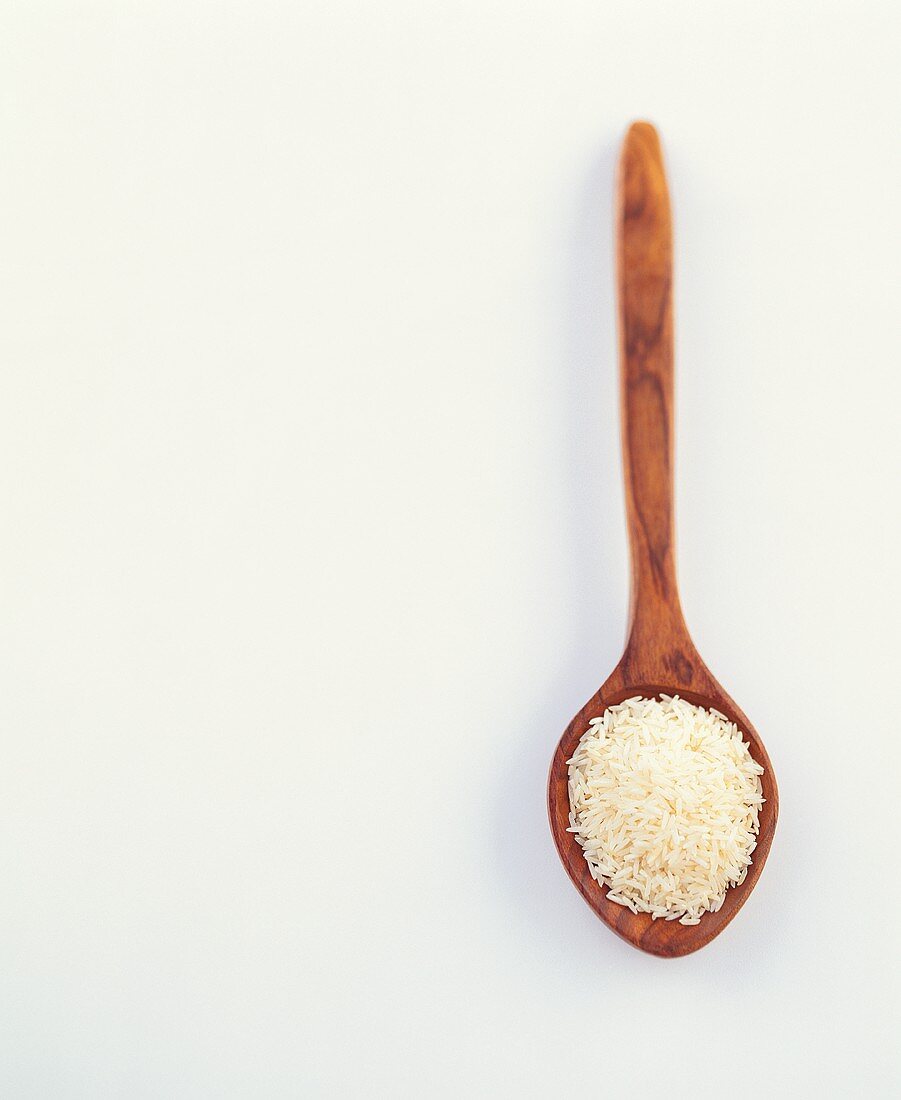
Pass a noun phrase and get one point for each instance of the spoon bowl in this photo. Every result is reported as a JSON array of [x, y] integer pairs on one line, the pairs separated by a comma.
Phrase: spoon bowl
[[659, 937], [660, 657]]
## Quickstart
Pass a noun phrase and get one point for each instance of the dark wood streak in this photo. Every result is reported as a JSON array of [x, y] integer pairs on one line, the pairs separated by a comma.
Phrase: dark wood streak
[[659, 656], [642, 336]]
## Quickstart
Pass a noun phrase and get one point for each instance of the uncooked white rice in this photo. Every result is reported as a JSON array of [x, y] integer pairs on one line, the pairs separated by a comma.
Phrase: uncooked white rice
[[664, 799]]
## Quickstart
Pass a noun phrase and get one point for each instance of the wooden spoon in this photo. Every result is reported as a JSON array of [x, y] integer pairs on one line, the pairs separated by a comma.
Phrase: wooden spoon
[[660, 657]]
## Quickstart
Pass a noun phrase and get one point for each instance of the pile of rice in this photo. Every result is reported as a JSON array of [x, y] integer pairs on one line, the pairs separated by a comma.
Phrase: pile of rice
[[664, 799]]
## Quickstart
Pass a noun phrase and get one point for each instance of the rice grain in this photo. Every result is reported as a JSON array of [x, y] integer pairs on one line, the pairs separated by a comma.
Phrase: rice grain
[[664, 801]]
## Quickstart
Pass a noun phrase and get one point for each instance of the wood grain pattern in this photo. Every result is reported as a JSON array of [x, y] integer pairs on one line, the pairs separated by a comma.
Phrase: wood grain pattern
[[659, 655]]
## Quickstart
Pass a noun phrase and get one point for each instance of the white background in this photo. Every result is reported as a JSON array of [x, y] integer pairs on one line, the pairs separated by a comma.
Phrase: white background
[[312, 539]]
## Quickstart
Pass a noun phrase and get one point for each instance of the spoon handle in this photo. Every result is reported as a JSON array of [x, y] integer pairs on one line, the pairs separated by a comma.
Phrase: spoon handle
[[644, 274]]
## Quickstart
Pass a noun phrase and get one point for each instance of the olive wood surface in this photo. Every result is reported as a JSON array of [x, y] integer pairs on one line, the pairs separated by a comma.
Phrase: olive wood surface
[[659, 657]]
